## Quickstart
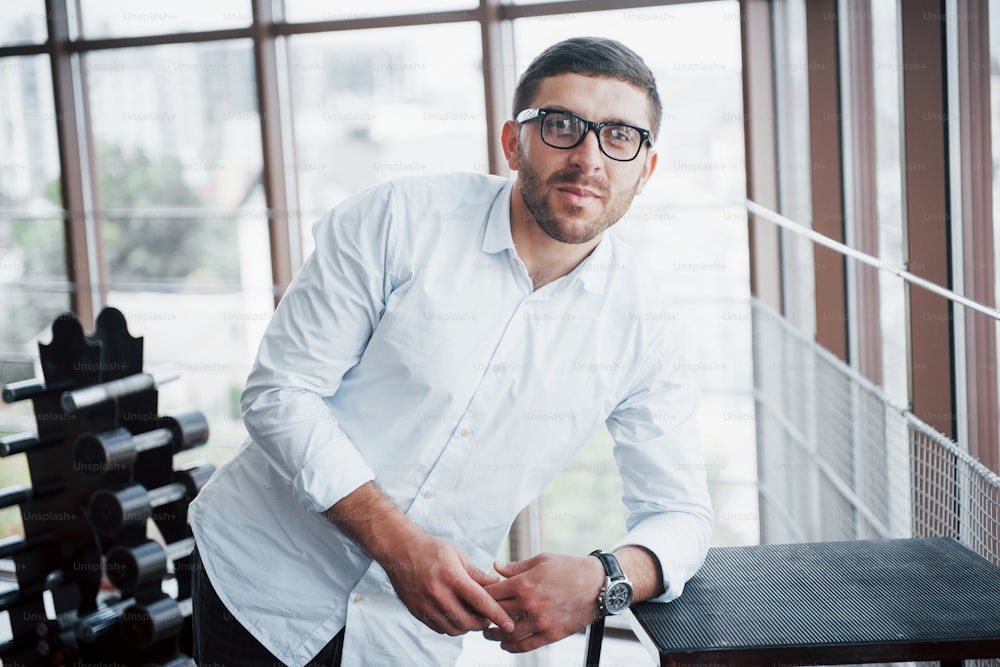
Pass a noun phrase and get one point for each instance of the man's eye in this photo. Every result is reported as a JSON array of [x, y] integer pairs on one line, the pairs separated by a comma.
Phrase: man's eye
[[561, 124], [621, 134]]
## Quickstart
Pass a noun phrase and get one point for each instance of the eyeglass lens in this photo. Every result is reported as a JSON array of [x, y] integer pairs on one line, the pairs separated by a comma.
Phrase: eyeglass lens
[[565, 130]]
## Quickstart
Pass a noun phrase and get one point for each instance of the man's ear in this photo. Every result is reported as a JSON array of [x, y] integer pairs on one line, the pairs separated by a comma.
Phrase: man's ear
[[647, 170], [509, 136]]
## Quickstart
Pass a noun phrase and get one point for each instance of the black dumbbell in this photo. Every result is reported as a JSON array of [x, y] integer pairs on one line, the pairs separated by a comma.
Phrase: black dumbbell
[[128, 568], [100, 452], [142, 625], [110, 511], [91, 626]]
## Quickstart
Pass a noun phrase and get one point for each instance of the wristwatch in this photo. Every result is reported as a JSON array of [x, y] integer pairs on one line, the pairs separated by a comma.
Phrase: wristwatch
[[616, 594]]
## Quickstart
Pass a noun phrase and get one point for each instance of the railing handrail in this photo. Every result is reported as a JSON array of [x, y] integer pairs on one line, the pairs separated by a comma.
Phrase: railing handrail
[[871, 260]]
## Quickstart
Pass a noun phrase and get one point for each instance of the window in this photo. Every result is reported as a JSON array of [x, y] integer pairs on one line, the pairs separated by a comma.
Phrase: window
[[372, 105], [151, 17], [22, 22], [304, 10], [885, 64]]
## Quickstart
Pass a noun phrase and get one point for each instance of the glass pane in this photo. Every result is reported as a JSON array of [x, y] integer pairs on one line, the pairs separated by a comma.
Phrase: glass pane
[[32, 247], [175, 141], [794, 173], [107, 18], [171, 122], [689, 228], [22, 22], [889, 197], [308, 10], [400, 101], [29, 164]]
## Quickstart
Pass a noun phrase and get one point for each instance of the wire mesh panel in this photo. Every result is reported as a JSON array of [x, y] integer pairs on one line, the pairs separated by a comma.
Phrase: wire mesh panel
[[838, 461]]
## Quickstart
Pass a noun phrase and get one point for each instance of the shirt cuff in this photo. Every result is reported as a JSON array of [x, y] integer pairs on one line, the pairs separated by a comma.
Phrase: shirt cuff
[[329, 476], [680, 552]]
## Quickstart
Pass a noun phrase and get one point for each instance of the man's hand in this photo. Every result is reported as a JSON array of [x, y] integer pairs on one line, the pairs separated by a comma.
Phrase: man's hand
[[438, 585], [434, 580], [549, 596]]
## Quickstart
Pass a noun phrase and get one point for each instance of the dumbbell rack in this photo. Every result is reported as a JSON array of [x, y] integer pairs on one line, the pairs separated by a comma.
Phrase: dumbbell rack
[[106, 580]]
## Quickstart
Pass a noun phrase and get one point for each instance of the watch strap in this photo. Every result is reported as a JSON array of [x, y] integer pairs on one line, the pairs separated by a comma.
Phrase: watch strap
[[611, 566]]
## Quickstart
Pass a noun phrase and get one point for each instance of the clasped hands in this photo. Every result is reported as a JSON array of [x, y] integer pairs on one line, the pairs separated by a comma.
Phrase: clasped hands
[[549, 597], [539, 600]]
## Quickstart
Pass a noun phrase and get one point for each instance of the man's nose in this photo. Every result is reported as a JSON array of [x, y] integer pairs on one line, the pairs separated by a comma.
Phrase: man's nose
[[587, 155]]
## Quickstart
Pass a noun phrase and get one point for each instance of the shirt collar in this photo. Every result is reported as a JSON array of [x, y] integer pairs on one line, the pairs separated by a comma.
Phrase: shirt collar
[[594, 271], [497, 237]]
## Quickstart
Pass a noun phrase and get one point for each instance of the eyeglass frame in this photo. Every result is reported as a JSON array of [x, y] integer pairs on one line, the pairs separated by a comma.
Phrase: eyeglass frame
[[531, 114]]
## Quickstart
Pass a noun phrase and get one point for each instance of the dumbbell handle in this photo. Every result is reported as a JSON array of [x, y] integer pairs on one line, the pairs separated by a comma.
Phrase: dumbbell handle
[[15, 495], [152, 439], [85, 397], [22, 442], [18, 493], [16, 545], [25, 389]]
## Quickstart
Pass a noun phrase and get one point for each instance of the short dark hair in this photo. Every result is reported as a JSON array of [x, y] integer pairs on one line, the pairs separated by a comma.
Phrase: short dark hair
[[591, 56]]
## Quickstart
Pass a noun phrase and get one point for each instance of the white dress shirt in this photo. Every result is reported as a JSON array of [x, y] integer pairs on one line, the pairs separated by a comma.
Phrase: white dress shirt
[[412, 350]]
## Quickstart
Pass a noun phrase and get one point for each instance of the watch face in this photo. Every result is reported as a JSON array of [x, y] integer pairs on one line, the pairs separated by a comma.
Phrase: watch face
[[619, 598]]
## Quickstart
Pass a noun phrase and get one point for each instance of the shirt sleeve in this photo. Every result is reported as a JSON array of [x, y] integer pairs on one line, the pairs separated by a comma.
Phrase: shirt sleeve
[[658, 454], [318, 333]]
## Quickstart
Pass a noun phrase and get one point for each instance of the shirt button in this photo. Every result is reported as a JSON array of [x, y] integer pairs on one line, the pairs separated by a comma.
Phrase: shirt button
[[464, 433], [428, 494], [358, 599]]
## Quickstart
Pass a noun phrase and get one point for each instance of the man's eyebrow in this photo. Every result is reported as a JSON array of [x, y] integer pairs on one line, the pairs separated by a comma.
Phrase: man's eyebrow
[[560, 107]]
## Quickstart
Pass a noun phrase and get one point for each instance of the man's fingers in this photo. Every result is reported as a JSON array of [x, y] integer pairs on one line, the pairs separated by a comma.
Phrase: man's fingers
[[525, 644], [454, 623], [480, 577], [510, 569], [480, 601]]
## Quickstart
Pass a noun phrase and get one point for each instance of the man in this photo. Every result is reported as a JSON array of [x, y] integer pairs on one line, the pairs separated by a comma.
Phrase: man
[[449, 345]]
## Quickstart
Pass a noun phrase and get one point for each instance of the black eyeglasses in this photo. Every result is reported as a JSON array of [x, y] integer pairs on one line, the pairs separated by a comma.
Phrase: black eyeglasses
[[562, 129]]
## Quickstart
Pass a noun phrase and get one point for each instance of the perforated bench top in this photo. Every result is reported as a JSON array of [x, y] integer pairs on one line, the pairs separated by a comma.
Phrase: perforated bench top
[[862, 600]]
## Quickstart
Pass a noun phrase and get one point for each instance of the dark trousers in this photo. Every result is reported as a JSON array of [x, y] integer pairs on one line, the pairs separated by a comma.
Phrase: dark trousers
[[222, 641]]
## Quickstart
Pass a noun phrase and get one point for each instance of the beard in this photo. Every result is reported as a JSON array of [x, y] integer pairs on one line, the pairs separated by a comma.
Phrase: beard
[[535, 193]]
